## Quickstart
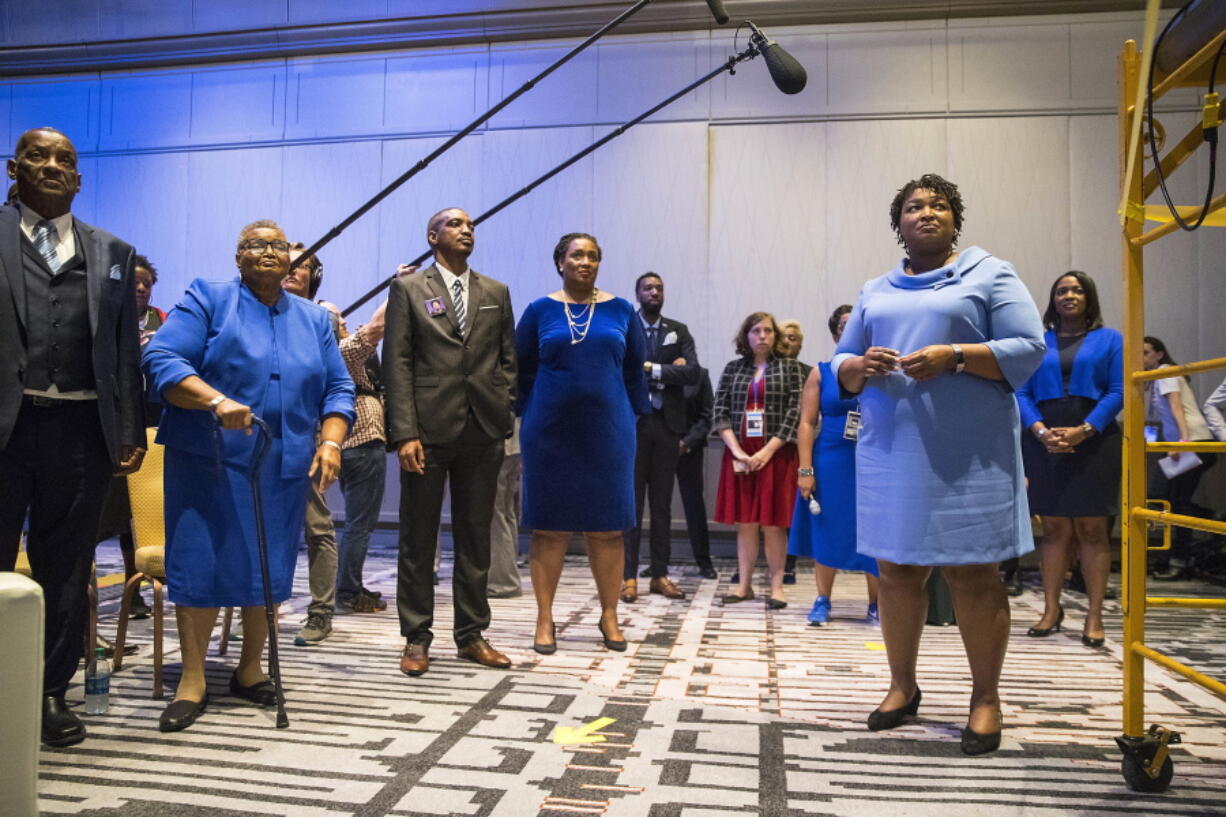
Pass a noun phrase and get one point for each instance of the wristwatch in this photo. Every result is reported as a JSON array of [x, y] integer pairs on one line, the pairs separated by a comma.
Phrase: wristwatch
[[217, 401], [804, 472], [959, 358]]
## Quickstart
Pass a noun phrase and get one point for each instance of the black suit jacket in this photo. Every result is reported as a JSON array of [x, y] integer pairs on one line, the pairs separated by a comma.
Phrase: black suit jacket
[[699, 410], [432, 375], [673, 379], [111, 287]]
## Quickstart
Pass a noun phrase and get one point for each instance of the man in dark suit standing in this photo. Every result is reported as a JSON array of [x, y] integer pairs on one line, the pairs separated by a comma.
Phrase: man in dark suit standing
[[699, 410], [449, 373], [672, 364], [71, 410]]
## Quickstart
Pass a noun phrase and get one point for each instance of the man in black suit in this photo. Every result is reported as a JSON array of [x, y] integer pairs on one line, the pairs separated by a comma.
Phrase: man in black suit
[[699, 409], [449, 374], [71, 410], [672, 363]]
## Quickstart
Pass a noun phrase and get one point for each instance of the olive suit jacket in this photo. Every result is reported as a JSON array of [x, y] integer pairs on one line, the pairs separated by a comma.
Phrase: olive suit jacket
[[435, 376]]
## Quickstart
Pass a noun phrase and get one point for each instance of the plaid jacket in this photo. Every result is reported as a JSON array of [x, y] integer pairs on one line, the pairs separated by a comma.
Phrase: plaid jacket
[[784, 381]]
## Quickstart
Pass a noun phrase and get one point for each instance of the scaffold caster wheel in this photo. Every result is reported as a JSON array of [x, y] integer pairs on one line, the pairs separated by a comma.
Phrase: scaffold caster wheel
[[1147, 765]]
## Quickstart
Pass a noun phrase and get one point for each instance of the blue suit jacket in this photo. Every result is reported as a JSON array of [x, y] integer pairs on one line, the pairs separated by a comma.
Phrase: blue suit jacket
[[223, 334], [1098, 373]]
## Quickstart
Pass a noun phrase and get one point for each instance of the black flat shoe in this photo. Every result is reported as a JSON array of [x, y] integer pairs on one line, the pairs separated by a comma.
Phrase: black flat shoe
[[61, 726], [181, 714], [975, 743], [733, 598], [139, 610], [552, 647], [1044, 632], [263, 693], [1093, 643], [880, 720], [616, 646], [775, 604]]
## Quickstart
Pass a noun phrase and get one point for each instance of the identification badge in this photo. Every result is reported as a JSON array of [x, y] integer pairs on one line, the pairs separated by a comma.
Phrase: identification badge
[[436, 307], [851, 431], [755, 423]]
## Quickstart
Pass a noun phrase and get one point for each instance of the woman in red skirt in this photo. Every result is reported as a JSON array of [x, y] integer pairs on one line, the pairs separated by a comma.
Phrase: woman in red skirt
[[757, 408]]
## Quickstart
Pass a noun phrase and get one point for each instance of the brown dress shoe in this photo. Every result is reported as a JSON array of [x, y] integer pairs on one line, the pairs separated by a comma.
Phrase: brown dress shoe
[[630, 591], [415, 660], [479, 651], [665, 587]]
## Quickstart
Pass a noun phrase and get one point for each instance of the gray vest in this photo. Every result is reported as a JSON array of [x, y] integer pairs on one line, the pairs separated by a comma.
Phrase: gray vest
[[59, 345]]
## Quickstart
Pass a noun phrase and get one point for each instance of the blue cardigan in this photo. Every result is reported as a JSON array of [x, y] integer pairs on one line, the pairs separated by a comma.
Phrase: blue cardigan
[[1098, 374], [223, 334]]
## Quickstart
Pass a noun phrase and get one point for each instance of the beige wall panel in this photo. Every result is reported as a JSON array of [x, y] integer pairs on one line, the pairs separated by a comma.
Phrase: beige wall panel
[[519, 240], [635, 74], [1008, 66], [565, 97], [769, 197], [1094, 226], [901, 70], [866, 163], [1014, 178], [650, 211]]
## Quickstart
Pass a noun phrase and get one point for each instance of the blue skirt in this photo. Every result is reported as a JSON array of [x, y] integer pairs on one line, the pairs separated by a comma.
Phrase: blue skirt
[[212, 559]]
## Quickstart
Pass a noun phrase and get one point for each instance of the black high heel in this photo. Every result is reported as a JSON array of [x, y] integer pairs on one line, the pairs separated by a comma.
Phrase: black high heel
[[879, 719], [1044, 632], [548, 649], [616, 646], [978, 743], [1093, 643]]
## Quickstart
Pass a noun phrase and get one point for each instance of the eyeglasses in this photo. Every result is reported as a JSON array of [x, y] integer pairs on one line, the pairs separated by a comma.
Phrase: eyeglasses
[[259, 245]]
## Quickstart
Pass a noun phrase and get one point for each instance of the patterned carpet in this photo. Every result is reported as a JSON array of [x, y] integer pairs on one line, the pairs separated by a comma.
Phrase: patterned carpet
[[715, 711]]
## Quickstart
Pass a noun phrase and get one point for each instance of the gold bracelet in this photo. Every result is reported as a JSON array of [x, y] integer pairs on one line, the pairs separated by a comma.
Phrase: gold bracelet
[[332, 443]]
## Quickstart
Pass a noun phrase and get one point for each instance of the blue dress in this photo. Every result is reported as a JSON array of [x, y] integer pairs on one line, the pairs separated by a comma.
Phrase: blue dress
[[283, 362], [830, 537], [938, 465], [578, 402]]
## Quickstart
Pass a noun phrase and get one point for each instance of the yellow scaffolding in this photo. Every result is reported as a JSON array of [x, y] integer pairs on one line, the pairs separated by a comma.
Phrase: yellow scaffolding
[[1147, 765]]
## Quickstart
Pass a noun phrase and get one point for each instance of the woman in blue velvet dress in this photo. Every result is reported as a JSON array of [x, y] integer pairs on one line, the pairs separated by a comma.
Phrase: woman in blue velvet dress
[[229, 350], [581, 383], [828, 473], [935, 348]]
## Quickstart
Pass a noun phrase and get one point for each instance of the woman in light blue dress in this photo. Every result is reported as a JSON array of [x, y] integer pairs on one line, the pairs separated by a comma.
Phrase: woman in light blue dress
[[935, 349]]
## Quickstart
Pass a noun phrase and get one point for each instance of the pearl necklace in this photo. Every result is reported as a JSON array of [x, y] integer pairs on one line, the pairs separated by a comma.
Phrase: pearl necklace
[[579, 324]]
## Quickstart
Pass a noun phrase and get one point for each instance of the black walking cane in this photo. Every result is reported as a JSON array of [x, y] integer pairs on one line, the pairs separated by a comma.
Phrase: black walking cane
[[262, 443]]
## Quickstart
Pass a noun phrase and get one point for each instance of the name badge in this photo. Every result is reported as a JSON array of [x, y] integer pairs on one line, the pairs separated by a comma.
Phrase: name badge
[[851, 431], [755, 423], [436, 307]]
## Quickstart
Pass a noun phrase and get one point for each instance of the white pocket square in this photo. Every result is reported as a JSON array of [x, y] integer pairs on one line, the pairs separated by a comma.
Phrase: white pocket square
[[116, 274], [671, 337], [491, 306]]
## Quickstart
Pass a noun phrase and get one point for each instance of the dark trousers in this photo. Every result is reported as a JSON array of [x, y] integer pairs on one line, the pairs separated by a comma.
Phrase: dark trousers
[[56, 468], [655, 468], [690, 481], [471, 463]]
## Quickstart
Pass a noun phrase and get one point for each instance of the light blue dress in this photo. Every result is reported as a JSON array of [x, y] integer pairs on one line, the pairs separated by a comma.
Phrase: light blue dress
[[938, 465]]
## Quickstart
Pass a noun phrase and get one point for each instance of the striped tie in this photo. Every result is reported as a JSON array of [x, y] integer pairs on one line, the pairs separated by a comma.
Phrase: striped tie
[[44, 241], [457, 289]]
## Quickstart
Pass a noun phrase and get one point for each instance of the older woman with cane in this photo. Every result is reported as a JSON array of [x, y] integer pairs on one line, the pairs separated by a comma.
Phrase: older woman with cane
[[230, 351]]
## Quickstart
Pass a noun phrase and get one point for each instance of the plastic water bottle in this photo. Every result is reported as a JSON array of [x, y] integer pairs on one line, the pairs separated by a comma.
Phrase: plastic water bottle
[[98, 684], [814, 507]]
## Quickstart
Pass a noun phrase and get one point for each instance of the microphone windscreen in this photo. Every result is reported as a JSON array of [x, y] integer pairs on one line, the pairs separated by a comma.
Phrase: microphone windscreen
[[717, 11], [788, 74]]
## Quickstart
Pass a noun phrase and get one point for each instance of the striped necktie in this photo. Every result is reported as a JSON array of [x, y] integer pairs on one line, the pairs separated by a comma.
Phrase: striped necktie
[[457, 289], [45, 235]]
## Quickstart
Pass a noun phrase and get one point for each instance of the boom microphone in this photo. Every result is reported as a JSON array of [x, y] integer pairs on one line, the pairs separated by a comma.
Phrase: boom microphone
[[717, 11], [788, 75]]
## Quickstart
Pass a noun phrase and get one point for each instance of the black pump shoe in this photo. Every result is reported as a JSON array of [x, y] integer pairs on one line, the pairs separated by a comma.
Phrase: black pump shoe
[[880, 720], [181, 714], [1093, 643], [550, 648], [977, 743], [616, 646], [263, 692], [1044, 632]]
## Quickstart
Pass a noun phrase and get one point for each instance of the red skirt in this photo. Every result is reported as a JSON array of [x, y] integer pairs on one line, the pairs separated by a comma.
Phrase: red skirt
[[765, 497]]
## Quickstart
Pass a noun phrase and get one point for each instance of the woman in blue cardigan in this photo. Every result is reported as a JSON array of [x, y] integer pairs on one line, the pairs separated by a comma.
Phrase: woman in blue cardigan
[[1072, 453]]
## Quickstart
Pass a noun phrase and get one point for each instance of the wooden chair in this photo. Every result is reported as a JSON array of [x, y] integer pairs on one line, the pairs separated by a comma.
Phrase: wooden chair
[[149, 534]]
